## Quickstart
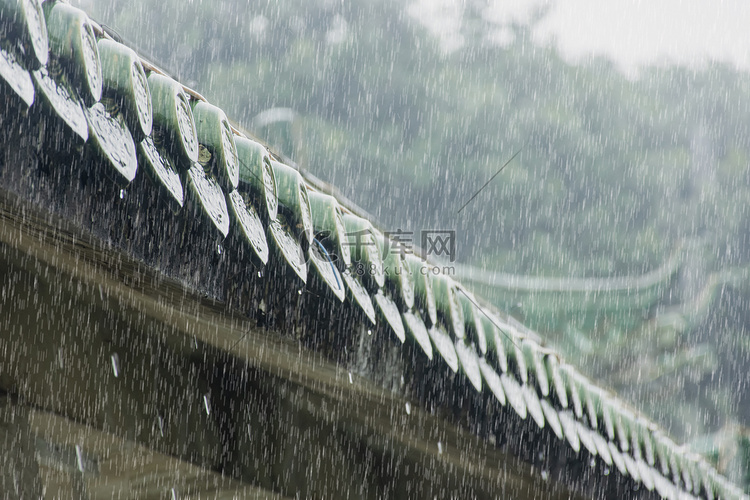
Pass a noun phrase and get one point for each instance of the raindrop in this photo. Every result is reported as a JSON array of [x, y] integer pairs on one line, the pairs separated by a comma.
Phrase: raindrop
[[115, 364], [606, 471], [350, 378], [369, 332], [545, 475], [195, 341], [122, 194], [440, 448], [592, 463], [79, 457], [260, 274], [408, 408], [60, 358], [206, 404], [219, 249], [174, 494], [160, 420], [299, 292]]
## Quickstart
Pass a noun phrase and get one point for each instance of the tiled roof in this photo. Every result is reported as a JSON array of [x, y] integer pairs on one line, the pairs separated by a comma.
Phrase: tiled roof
[[64, 80]]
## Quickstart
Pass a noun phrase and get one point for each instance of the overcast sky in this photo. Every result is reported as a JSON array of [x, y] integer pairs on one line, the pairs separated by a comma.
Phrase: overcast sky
[[631, 32]]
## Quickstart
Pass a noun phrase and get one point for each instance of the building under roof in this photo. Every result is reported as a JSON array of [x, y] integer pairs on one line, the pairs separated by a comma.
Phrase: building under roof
[[184, 314]]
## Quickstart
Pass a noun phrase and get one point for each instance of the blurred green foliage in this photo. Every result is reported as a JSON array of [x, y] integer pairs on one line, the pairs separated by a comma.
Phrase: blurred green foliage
[[607, 180]]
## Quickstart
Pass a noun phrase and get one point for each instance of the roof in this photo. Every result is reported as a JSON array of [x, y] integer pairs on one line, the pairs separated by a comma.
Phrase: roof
[[121, 125]]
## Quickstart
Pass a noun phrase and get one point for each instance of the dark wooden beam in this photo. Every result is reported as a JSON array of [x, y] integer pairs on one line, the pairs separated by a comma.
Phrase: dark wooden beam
[[92, 336]]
